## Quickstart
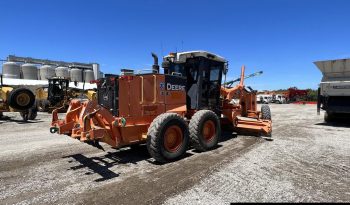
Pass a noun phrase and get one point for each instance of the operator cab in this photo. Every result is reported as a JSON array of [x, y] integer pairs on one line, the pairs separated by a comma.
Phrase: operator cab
[[57, 90], [203, 72]]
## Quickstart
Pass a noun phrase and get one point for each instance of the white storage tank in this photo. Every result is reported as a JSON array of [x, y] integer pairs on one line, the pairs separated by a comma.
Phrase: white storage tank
[[76, 75], [38, 74], [89, 76], [101, 75], [62, 72], [96, 70], [29, 71], [46, 72], [11, 70]]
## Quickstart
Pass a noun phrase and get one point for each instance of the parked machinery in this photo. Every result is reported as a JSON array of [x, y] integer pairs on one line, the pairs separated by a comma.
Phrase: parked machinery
[[17, 100], [279, 98], [58, 95], [186, 104], [294, 94], [264, 98], [334, 90]]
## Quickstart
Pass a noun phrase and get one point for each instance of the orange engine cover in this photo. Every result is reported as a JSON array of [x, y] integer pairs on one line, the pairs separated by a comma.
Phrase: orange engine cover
[[150, 95]]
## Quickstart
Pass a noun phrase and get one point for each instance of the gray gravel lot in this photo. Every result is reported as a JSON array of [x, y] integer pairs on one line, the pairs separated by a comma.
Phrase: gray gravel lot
[[307, 161]]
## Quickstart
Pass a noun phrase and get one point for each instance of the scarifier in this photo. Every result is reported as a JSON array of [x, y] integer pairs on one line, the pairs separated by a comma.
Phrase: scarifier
[[188, 104]]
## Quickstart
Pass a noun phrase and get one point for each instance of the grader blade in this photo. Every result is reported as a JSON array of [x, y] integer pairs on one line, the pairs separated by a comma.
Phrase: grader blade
[[261, 127]]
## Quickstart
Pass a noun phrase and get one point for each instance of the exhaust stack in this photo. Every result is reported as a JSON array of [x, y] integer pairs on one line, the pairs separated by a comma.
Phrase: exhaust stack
[[155, 66]]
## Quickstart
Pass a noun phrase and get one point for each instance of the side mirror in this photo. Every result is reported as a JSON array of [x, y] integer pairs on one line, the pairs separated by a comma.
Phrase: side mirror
[[225, 68], [165, 64]]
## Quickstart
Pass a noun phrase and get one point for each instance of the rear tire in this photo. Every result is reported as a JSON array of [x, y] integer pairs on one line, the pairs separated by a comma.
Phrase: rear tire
[[21, 99], [265, 112], [167, 137], [205, 130], [328, 117]]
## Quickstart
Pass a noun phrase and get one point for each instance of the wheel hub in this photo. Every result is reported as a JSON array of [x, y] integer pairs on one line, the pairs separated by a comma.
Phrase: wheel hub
[[173, 138], [209, 130], [23, 99]]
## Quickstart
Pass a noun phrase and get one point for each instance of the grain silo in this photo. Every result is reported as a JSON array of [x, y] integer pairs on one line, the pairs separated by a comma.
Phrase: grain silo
[[101, 75], [46, 72], [38, 74], [29, 71], [62, 72], [76, 75], [96, 70], [88, 76], [11, 70]]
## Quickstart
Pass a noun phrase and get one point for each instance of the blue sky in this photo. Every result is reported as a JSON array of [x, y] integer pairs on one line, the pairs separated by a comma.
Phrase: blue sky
[[280, 37]]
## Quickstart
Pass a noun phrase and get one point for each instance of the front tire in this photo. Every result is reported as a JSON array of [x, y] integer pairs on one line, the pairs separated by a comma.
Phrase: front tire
[[205, 130], [265, 112], [167, 137], [42, 105], [33, 112], [24, 115], [29, 114]]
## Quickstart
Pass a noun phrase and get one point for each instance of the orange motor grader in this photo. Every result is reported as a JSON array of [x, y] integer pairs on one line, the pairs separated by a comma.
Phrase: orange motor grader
[[187, 105]]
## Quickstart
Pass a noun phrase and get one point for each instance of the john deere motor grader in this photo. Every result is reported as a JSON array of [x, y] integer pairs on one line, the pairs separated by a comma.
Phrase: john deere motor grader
[[185, 105], [17, 100]]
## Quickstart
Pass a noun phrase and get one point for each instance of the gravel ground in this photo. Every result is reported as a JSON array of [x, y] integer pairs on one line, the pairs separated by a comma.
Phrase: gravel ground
[[307, 161]]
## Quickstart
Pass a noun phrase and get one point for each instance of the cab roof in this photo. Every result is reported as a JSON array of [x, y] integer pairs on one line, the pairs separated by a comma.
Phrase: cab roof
[[183, 56]]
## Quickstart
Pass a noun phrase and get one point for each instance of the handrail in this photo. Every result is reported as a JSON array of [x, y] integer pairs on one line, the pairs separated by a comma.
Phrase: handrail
[[153, 70], [176, 73], [141, 89], [126, 73], [155, 89]]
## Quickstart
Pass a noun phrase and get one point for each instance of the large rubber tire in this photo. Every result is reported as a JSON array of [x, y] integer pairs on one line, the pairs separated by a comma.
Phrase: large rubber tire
[[33, 112], [29, 114], [157, 137], [42, 105], [24, 115], [265, 112], [328, 117], [201, 122], [21, 99]]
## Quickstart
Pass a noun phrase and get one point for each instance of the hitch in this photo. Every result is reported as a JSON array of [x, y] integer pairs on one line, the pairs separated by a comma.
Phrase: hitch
[[53, 130]]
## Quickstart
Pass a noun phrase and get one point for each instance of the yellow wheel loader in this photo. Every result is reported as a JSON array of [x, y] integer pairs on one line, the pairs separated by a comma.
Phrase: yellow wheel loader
[[58, 95], [17, 100]]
